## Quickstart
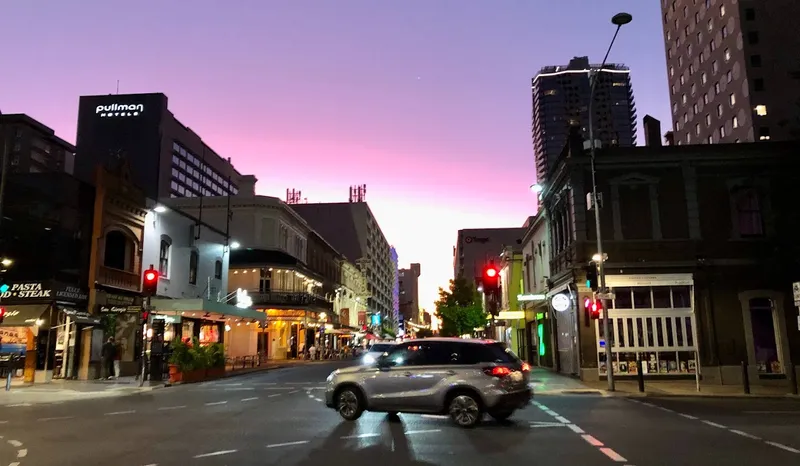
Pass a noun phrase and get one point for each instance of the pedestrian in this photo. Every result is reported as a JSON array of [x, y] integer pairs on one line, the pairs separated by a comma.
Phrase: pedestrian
[[312, 351], [108, 354], [117, 359]]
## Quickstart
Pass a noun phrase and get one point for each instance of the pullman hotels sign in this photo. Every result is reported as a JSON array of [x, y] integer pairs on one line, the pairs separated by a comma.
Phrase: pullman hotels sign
[[119, 110]]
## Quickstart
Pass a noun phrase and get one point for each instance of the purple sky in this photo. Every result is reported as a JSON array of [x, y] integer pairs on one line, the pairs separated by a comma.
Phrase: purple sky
[[425, 101]]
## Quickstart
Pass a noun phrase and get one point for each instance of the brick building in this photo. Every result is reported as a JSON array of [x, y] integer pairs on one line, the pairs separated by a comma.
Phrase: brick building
[[701, 259]]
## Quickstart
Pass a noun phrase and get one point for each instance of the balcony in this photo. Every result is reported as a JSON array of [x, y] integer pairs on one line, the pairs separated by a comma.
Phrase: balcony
[[118, 279], [289, 299]]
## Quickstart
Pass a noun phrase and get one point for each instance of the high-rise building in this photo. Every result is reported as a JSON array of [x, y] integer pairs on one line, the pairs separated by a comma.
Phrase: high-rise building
[[733, 71], [409, 293], [351, 228], [167, 158], [561, 100], [477, 247], [33, 147], [395, 286]]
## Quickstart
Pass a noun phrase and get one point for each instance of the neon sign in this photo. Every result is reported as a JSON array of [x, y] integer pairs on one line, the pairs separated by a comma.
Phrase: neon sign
[[119, 110]]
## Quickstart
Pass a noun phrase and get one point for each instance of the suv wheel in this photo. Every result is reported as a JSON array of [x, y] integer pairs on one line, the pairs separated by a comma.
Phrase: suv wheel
[[465, 410], [349, 404]]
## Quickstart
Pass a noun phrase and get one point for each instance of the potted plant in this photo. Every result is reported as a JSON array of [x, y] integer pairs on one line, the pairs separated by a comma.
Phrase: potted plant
[[180, 362], [215, 355]]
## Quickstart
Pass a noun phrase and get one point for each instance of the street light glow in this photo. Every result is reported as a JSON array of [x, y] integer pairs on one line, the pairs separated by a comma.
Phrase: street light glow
[[235, 245], [537, 188]]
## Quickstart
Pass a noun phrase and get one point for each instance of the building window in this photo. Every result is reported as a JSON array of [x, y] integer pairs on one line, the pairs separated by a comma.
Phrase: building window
[[752, 37], [763, 133], [710, 25], [683, 80], [703, 78], [765, 337], [691, 69], [697, 18], [761, 110], [732, 99], [724, 31], [719, 110], [712, 45], [697, 130], [163, 256], [671, 71], [218, 269], [758, 84], [722, 10], [749, 219], [674, 108], [705, 98], [735, 122], [694, 109], [727, 55], [721, 132], [118, 251], [716, 88], [702, 57], [714, 67], [694, 89], [749, 14], [683, 99], [708, 120], [711, 139], [729, 76], [194, 258], [755, 61]]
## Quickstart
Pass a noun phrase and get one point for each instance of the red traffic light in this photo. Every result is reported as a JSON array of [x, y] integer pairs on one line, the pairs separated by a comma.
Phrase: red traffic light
[[594, 307], [2, 312], [150, 275], [491, 272]]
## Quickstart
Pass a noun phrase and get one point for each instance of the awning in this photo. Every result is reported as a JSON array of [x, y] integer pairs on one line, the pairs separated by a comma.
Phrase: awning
[[198, 308], [81, 317], [24, 315]]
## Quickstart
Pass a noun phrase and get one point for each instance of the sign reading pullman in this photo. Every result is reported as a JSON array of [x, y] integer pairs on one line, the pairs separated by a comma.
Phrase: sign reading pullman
[[119, 110]]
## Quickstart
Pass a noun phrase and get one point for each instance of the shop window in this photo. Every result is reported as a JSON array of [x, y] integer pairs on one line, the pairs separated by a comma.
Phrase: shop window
[[163, 256], [218, 269], [662, 297], [765, 343], [642, 298], [749, 219], [118, 251], [194, 258], [622, 298], [681, 297]]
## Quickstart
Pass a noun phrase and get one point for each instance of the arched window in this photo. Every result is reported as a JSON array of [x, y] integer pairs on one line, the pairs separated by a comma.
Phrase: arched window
[[118, 251], [218, 269], [194, 258], [163, 256]]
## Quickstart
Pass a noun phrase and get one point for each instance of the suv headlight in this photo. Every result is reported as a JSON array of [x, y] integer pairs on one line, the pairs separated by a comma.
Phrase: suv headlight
[[332, 376], [368, 359]]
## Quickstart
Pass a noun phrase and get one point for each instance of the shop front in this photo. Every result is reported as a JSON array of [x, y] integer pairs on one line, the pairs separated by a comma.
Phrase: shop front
[[653, 326], [563, 303], [41, 328], [120, 312], [289, 332]]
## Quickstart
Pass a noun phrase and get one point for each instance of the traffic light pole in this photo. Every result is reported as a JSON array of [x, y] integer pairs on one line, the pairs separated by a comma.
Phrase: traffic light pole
[[145, 326]]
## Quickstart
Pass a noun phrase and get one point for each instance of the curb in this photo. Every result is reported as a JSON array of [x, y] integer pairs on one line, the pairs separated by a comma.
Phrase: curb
[[227, 375], [740, 396]]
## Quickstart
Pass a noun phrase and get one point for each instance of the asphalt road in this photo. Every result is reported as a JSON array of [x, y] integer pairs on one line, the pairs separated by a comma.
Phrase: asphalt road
[[278, 418]]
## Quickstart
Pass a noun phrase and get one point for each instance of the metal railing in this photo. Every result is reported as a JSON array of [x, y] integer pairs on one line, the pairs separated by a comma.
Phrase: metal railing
[[237, 363]]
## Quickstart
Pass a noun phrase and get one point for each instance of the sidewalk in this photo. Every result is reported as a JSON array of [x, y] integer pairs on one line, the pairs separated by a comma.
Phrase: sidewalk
[[547, 382], [688, 388]]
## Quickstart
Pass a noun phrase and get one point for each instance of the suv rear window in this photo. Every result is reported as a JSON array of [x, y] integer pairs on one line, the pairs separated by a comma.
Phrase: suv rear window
[[487, 353]]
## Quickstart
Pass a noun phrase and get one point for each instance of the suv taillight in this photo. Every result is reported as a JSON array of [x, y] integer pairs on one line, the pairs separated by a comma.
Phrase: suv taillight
[[526, 367], [497, 371]]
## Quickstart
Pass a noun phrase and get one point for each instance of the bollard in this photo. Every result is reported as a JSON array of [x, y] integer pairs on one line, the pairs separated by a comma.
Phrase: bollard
[[792, 376], [8, 381], [640, 377], [745, 378]]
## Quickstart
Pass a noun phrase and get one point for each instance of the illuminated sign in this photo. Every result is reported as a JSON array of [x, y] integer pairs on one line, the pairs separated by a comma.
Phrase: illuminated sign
[[531, 297], [27, 290], [560, 302], [243, 301], [119, 110]]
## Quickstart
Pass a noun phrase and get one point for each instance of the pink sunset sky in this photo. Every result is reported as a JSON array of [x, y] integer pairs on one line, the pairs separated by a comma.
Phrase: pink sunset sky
[[427, 102]]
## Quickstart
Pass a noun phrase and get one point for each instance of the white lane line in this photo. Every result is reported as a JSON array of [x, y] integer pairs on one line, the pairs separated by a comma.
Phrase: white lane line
[[117, 413], [430, 431], [360, 436], [592, 441], [18, 404], [15, 463], [689, 416], [293, 391], [215, 453], [318, 399], [665, 409], [168, 408], [276, 394], [782, 447], [22, 453], [562, 419], [714, 424], [265, 383], [745, 434], [250, 399], [300, 383], [537, 424], [216, 403], [435, 416], [57, 418], [15, 443], [287, 444], [772, 412], [240, 389], [613, 455], [3, 422], [575, 429], [230, 385], [648, 404]]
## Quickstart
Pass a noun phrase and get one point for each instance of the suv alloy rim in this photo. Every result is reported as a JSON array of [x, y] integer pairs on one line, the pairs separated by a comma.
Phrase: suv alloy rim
[[464, 410], [348, 403]]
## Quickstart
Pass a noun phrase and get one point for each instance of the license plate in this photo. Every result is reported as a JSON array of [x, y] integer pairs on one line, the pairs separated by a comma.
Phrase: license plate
[[516, 376]]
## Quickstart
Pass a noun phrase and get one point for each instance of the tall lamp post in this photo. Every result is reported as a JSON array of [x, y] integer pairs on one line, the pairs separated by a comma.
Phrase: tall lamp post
[[620, 19]]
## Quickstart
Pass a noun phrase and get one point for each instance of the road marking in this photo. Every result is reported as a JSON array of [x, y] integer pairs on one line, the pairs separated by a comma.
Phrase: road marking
[[537, 424], [300, 383], [665, 409], [613, 455], [688, 416], [287, 444], [412, 432], [3, 422], [575, 428], [772, 412], [57, 418], [15, 443], [562, 419], [264, 383], [318, 399], [168, 408], [22, 453], [216, 453], [361, 436], [15, 463], [216, 403], [293, 391], [230, 385], [117, 413], [240, 389], [435, 416], [745, 434], [250, 399], [276, 394], [592, 441], [18, 404], [782, 447], [714, 424]]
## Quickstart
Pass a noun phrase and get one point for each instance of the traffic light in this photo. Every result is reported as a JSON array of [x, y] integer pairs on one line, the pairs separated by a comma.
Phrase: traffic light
[[150, 282], [591, 276], [491, 279], [593, 307], [2, 314]]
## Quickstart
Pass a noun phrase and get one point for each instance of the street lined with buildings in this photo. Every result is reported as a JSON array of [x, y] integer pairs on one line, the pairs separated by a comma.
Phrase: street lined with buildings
[[278, 417]]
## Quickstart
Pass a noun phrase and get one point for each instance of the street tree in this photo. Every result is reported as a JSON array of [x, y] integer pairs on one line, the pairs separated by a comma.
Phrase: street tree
[[460, 309]]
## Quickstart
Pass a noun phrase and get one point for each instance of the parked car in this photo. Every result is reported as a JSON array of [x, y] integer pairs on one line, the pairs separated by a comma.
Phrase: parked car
[[461, 378]]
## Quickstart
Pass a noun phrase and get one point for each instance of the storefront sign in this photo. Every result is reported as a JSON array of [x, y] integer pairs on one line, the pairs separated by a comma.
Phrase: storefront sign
[[560, 302], [531, 297], [71, 293], [42, 291], [119, 110], [107, 309], [82, 317], [167, 319], [243, 301], [27, 291]]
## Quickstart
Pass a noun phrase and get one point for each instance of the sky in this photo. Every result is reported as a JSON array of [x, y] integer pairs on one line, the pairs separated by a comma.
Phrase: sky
[[427, 102]]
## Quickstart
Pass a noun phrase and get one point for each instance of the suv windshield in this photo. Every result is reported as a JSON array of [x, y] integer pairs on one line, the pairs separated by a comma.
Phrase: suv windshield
[[381, 347], [500, 354]]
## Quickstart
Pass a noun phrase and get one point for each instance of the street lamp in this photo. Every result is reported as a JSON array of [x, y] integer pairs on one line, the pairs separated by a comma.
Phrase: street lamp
[[620, 19]]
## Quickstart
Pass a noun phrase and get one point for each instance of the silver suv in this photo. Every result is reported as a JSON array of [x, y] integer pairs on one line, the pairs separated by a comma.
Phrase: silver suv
[[462, 378]]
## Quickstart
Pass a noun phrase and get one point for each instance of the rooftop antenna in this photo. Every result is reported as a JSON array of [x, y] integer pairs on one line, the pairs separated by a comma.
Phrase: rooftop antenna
[[293, 196], [358, 193]]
